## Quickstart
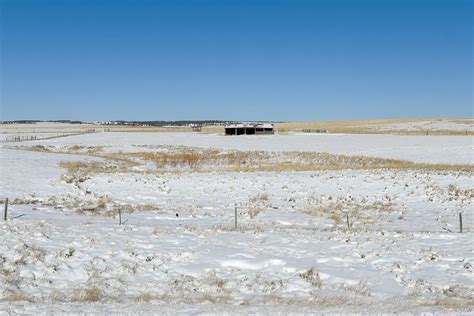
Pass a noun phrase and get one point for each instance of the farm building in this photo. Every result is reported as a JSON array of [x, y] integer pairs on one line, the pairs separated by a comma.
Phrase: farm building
[[249, 129]]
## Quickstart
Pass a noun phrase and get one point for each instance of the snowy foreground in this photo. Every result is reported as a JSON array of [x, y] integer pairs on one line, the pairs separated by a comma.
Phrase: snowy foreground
[[177, 250]]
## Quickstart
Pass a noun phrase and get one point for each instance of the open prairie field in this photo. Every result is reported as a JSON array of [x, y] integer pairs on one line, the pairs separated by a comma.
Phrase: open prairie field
[[387, 126], [140, 222], [47, 130]]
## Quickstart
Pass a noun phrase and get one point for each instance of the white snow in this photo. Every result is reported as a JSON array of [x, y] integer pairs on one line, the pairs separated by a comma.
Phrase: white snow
[[428, 149], [443, 125], [178, 251]]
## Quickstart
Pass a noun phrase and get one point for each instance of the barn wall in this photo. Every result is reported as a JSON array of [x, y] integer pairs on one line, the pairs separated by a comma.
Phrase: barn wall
[[247, 130]]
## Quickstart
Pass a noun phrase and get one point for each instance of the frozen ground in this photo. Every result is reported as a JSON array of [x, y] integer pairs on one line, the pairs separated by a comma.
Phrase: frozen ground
[[436, 149], [466, 125], [62, 249]]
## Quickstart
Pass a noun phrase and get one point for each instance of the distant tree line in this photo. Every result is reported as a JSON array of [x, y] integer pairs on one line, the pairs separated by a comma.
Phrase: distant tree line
[[40, 121], [129, 123], [168, 123]]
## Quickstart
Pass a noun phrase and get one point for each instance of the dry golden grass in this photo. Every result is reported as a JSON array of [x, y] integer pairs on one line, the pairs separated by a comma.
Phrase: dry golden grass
[[363, 126], [184, 159], [75, 148], [253, 211], [39, 148], [335, 218], [102, 202], [457, 192], [91, 294], [17, 297], [259, 197], [73, 166], [243, 228], [237, 161], [190, 159], [363, 212], [23, 201], [79, 170], [327, 162], [258, 204], [144, 297], [311, 276], [95, 150], [195, 158]]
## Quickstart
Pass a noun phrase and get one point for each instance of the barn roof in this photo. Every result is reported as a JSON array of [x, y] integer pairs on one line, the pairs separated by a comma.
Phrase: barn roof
[[250, 125]]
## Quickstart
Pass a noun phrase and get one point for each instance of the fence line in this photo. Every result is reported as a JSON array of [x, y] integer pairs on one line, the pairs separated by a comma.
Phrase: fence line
[[307, 130], [14, 139]]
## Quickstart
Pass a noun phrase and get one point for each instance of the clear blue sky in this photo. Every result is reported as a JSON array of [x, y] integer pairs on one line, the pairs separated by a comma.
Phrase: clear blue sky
[[236, 60]]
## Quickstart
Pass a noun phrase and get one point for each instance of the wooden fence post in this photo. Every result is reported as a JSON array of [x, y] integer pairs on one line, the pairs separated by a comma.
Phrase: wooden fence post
[[120, 216], [6, 210], [235, 216], [460, 222], [348, 223]]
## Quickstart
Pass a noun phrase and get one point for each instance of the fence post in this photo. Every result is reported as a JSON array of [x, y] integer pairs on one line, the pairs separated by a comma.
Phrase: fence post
[[348, 223], [235, 216], [460, 222], [6, 210], [120, 216]]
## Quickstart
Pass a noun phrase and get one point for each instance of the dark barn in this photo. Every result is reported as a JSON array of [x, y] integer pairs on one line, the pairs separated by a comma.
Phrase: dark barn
[[249, 129]]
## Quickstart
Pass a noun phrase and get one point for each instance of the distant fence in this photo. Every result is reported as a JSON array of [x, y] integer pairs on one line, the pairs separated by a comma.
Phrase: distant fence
[[306, 130], [19, 138], [13, 139]]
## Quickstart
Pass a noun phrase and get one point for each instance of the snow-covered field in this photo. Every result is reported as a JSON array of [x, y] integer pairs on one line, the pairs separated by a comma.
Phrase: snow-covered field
[[345, 239], [436, 149], [466, 125]]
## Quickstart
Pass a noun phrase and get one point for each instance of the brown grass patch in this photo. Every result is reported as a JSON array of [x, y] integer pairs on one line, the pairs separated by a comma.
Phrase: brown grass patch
[[259, 197], [75, 148], [362, 212], [258, 204], [95, 150], [242, 228], [190, 159], [17, 297], [253, 161], [180, 159], [40, 148], [91, 294], [78, 171], [311, 276], [197, 159]]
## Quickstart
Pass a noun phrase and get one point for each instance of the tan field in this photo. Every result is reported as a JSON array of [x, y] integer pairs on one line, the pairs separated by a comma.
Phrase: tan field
[[376, 126], [425, 126]]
